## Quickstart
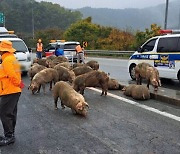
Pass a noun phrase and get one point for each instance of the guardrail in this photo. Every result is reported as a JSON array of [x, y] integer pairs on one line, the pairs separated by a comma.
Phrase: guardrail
[[106, 53], [109, 53]]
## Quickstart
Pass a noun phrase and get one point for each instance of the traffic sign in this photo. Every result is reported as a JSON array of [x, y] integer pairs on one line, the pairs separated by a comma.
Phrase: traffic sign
[[85, 44], [1, 18]]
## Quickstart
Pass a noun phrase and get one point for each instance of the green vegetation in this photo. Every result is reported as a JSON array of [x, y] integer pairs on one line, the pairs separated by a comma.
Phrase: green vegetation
[[52, 22], [19, 15]]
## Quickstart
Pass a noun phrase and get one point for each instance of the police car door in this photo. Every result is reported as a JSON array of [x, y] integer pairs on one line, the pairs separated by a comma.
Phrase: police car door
[[167, 50]]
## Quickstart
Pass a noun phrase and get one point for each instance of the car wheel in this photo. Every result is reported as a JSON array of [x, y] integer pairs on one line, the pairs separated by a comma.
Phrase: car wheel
[[132, 72], [178, 76]]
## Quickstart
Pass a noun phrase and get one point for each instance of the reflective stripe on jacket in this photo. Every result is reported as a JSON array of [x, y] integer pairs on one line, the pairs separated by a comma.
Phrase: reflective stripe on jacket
[[39, 47], [78, 49], [10, 75]]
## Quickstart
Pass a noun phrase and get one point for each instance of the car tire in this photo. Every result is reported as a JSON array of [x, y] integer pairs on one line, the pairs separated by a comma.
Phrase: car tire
[[178, 76], [132, 72]]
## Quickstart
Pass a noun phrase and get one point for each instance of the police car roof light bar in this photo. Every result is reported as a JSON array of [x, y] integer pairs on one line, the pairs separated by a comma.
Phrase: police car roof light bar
[[169, 31]]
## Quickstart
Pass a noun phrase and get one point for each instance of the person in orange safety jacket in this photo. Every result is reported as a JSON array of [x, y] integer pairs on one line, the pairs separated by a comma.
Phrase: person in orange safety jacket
[[10, 91], [80, 54], [39, 49]]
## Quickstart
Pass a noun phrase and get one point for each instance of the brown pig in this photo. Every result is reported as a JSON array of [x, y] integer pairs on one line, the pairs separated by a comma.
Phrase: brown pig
[[70, 98], [64, 74], [93, 64], [51, 57], [66, 65], [150, 73], [56, 60], [113, 84], [81, 70], [33, 70], [43, 77], [140, 92], [128, 89], [77, 65], [40, 61], [61, 59], [91, 79]]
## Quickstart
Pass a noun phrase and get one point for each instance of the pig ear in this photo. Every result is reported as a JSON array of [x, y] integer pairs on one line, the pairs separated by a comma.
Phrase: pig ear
[[87, 105], [79, 106]]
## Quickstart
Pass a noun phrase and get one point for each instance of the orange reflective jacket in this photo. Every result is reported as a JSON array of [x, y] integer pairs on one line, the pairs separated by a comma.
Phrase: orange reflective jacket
[[10, 75], [39, 47], [78, 49]]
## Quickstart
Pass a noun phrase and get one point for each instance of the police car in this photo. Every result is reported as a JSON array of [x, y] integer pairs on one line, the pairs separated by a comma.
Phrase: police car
[[68, 48], [22, 52], [162, 52]]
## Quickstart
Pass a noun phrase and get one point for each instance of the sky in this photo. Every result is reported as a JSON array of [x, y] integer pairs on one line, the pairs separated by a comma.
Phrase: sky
[[114, 4]]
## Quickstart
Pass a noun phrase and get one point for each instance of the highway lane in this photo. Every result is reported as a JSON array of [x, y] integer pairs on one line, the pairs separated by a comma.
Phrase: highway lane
[[112, 126]]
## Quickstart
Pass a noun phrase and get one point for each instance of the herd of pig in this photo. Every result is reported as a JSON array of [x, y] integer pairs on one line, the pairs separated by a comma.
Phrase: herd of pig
[[70, 81]]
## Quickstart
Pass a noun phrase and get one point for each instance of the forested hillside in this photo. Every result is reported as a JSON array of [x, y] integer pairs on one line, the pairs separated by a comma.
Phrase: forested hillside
[[19, 15], [136, 19]]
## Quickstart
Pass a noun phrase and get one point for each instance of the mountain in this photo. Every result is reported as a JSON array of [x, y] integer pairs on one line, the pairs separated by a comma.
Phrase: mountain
[[24, 15], [136, 19]]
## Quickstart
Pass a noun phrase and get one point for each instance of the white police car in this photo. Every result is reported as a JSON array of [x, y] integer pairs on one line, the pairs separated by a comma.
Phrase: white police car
[[162, 52]]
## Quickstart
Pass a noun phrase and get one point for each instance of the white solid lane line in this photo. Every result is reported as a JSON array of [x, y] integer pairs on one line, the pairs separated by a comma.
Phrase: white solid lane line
[[140, 105]]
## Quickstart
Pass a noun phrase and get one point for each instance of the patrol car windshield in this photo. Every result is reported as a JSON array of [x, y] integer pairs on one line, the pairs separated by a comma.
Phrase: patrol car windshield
[[149, 46], [19, 46]]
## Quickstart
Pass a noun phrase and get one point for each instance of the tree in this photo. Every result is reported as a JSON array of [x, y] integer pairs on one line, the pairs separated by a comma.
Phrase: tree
[[49, 34], [19, 15], [141, 37], [117, 40], [82, 31]]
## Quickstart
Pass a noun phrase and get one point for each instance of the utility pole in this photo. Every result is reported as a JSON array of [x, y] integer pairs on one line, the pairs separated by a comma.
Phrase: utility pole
[[166, 14], [32, 21]]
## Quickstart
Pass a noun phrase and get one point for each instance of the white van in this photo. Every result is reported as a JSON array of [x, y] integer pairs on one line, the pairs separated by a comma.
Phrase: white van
[[22, 53], [162, 52]]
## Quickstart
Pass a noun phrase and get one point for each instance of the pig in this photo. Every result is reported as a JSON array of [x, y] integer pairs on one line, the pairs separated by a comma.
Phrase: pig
[[140, 92], [61, 59], [56, 60], [64, 74], [77, 65], [91, 79], [70, 98], [93, 64], [128, 89], [150, 73], [81, 70], [43, 77], [113, 84], [40, 61], [35, 69], [51, 57], [66, 65]]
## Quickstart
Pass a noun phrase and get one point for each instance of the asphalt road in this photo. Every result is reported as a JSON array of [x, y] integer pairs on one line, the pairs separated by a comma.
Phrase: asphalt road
[[115, 124]]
